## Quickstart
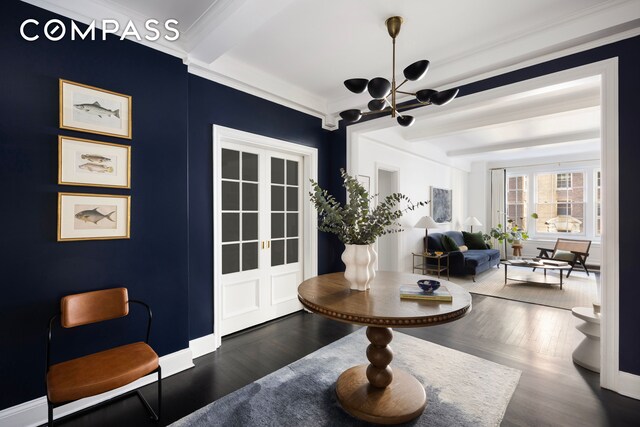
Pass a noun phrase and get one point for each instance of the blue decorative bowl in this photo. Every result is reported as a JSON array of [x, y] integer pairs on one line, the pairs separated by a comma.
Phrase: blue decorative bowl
[[428, 285]]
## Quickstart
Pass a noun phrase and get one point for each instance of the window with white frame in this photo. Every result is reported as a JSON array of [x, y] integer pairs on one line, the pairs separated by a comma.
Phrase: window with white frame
[[564, 207], [560, 202], [517, 196], [563, 180]]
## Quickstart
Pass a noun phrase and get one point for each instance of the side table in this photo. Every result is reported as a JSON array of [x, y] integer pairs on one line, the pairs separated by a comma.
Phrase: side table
[[587, 354], [517, 250], [425, 268]]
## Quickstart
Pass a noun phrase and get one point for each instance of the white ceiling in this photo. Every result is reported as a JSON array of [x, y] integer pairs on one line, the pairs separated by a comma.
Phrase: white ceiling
[[543, 123], [298, 53]]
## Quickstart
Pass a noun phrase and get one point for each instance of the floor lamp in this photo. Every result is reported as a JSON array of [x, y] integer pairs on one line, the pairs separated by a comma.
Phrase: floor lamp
[[471, 221], [426, 222]]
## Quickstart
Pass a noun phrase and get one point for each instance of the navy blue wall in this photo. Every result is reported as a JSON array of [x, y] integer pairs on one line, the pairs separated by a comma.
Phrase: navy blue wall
[[211, 103], [35, 269]]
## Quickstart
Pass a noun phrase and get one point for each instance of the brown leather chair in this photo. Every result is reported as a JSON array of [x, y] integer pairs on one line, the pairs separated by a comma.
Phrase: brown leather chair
[[106, 370], [574, 252]]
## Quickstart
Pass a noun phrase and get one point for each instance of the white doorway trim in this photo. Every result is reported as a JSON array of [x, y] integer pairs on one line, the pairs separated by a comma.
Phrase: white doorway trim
[[310, 220], [610, 377], [397, 237]]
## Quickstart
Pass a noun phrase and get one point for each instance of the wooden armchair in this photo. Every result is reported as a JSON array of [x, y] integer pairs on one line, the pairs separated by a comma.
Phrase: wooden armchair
[[575, 252], [106, 370]]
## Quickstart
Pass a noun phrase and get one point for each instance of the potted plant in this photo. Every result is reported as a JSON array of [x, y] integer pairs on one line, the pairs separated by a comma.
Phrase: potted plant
[[358, 224], [512, 233]]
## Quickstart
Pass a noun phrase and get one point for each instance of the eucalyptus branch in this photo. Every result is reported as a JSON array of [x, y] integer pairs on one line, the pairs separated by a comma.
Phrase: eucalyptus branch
[[356, 222]]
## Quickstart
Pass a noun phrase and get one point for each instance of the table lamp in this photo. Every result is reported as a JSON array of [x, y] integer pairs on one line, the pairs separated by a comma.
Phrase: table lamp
[[472, 220], [426, 222]]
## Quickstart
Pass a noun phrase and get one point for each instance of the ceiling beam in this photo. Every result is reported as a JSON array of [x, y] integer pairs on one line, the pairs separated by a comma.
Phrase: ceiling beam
[[592, 134], [228, 23], [482, 116]]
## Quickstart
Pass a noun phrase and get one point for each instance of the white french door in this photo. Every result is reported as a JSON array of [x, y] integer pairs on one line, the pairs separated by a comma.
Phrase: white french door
[[261, 203]]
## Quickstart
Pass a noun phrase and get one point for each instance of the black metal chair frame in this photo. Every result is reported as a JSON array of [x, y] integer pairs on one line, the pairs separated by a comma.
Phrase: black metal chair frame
[[578, 258], [152, 414]]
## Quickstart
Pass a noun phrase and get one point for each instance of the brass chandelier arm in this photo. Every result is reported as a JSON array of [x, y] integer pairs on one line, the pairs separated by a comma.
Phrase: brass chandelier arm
[[369, 113], [398, 108], [415, 104], [400, 85], [406, 93], [393, 79]]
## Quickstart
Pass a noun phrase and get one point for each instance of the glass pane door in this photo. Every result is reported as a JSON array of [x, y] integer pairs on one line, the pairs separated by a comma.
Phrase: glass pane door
[[285, 211], [239, 196]]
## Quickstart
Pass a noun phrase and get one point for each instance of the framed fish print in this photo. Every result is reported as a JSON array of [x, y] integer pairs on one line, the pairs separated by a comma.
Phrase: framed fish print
[[101, 164], [93, 216], [90, 109]]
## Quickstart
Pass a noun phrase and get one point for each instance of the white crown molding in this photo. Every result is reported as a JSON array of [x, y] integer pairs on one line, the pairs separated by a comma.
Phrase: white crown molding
[[226, 24], [433, 156], [34, 412], [280, 93], [217, 12]]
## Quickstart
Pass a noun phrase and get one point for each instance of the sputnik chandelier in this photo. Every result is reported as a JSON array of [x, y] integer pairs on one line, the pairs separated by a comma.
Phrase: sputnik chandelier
[[385, 93]]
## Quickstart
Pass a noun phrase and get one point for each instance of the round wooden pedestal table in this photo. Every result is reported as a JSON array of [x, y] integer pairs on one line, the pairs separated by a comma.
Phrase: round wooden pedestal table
[[375, 392]]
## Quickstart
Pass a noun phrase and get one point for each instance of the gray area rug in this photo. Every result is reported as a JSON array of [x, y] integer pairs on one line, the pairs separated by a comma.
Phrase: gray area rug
[[577, 291], [462, 390]]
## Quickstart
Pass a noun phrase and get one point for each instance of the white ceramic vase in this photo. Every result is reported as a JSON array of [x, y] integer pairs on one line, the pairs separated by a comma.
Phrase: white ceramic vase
[[359, 261]]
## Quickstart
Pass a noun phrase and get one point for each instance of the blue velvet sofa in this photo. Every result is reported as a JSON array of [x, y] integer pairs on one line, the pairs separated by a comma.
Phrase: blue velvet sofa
[[472, 261]]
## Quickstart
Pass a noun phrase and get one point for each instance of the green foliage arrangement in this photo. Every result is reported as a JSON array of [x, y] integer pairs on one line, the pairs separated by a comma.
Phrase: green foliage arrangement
[[510, 233], [357, 222]]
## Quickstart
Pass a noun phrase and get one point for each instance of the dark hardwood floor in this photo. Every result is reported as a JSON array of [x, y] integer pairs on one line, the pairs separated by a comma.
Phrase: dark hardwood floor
[[537, 340]]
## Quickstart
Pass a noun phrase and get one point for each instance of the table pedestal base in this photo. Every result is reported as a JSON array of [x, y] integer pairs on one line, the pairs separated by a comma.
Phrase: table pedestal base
[[587, 354], [401, 401], [377, 393]]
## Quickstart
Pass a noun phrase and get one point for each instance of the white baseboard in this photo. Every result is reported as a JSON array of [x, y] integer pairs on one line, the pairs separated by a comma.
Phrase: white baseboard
[[34, 412], [629, 385], [204, 345]]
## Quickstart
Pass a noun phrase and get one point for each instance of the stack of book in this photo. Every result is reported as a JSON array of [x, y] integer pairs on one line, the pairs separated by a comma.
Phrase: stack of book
[[537, 262], [414, 292], [527, 262], [554, 262]]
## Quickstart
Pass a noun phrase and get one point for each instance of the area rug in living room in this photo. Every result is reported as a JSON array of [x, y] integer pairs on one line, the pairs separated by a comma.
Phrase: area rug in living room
[[578, 290], [462, 390]]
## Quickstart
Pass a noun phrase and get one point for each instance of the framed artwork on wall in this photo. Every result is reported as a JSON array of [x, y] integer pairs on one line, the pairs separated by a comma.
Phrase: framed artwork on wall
[[90, 109], [100, 164], [93, 216], [441, 205]]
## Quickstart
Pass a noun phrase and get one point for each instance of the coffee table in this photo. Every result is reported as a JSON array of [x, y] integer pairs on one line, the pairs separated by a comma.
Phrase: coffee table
[[532, 278], [374, 392]]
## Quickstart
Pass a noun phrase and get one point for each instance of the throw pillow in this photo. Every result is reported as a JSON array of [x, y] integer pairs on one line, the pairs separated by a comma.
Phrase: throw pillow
[[474, 240], [449, 244], [563, 255], [463, 248]]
